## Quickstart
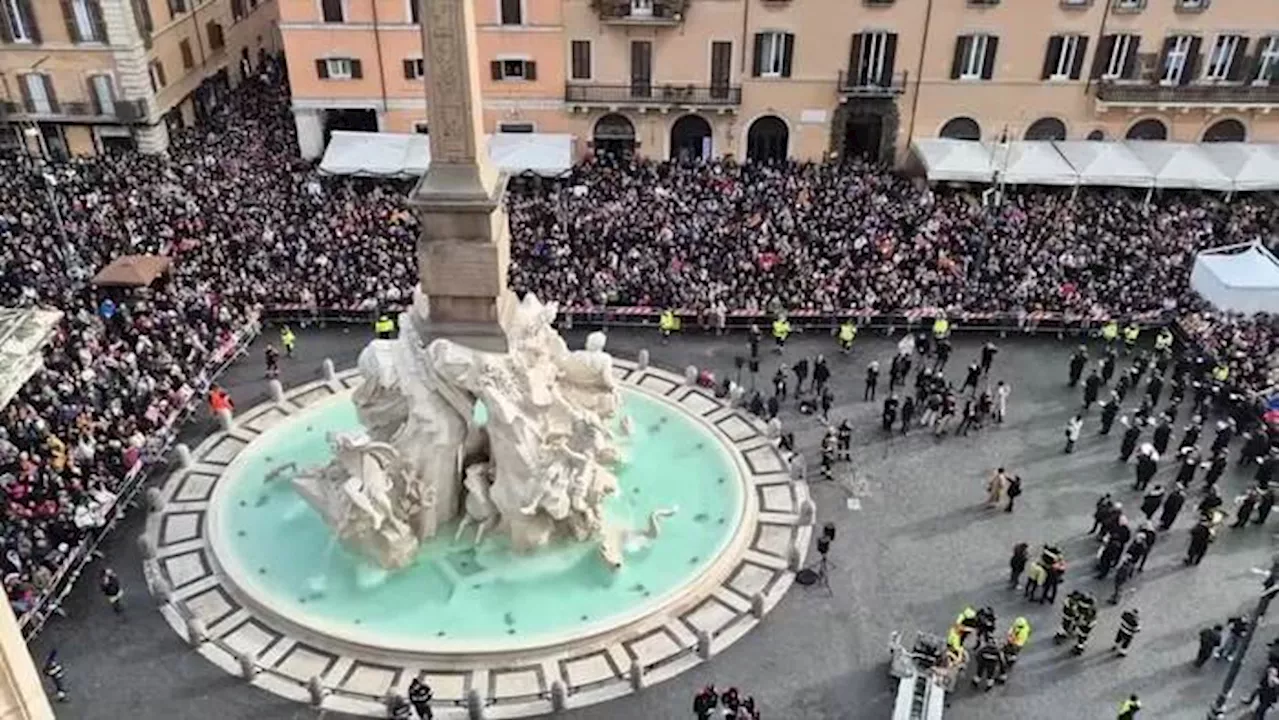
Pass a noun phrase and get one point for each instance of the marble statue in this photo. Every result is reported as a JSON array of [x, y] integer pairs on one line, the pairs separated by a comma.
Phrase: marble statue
[[541, 466]]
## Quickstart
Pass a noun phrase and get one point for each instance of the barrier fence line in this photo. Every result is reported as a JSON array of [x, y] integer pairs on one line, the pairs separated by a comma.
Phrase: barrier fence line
[[33, 620]]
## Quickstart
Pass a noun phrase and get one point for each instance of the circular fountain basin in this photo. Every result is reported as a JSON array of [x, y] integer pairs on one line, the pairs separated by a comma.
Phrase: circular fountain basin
[[459, 596]]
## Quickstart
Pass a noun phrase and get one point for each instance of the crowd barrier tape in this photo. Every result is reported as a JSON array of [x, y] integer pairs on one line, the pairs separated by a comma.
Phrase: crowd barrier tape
[[158, 447]]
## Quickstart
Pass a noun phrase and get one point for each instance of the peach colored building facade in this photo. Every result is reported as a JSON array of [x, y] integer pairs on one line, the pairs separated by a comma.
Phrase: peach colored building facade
[[774, 78], [81, 76]]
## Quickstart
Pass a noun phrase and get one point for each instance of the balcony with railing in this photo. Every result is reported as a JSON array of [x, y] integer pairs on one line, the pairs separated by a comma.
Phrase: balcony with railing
[[125, 111], [640, 12], [854, 86], [651, 95], [1156, 93]]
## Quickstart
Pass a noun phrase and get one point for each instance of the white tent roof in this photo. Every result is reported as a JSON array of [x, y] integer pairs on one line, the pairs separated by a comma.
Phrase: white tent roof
[[1104, 163], [1033, 162], [1250, 166], [409, 155], [954, 160], [1236, 278], [1179, 165]]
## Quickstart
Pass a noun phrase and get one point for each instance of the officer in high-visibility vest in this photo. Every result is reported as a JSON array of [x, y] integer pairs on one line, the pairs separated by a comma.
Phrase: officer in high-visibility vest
[[1221, 372], [667, 324], [848, 331], [1129, 708], [1131, 332], [1110, 331], [287, 340], [781, 329], [385, 327], [1014, 641], [941, 328], [1164, 341]]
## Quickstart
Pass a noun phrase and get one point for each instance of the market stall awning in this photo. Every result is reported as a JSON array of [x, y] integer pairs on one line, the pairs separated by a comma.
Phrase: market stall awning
[[1179, 165], [1033, 162], [947, 160], [133, 271], [1106, 164], [367, 154], [1250, 166]]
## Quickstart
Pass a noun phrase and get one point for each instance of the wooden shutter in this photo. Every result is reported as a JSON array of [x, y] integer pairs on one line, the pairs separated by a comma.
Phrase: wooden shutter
[[890, 55], [1255, 65], [188, 60], [51, 94], [1130, 70], [1164, 57], [1191, 67], [6, 33], [27, 102], [855, 60], [322, 69], [1077, 62], [1102, 56], [530, 70], [357, 70], [721, 58], [160, 74], [757, 55], [93, 94], [408, 70], [495, 70], [989, 58], [95, 18], [957, 57], [788, 47], [69, 17], [1052, 52], [33, 29], [1239, 65]]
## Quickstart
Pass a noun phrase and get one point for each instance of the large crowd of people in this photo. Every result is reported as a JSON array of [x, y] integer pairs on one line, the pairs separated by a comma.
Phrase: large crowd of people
[[251, 226]]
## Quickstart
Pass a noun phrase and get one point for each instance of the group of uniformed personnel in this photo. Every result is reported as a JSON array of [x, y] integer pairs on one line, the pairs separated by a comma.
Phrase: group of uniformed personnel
[[1079, 616], [994, 659]]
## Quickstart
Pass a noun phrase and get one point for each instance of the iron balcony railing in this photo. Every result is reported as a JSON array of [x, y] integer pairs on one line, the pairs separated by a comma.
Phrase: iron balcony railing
[[651, 94], [641, 12], [851, 86], [126, 111], [1156, 93]]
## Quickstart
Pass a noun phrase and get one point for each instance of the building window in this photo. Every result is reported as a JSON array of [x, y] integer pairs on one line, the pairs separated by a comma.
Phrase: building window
[[1117, 57], [511, 12], [1177, 50], [515, 128], [513, 70], [176, 8], [975, 57], [84, 21], [1268, 60], [580, 60], [142, 15], [1130, 5], [871, 59], [104, 95], [1064, 57], [237, 10], [420, 128], [413, 69], [216, 41], [1190, 5], [188, 60], [773, 51], [40, 97], [1226, 58], [22, 28], [156, 70], [331, 11], [414, 9], [339, 69]]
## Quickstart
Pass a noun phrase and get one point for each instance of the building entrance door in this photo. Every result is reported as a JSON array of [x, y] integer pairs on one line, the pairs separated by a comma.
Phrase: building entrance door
[[862, 138]]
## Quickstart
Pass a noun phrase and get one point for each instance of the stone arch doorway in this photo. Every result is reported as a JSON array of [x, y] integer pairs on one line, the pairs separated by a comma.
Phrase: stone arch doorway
[[614, 135], [1046, 129], [1149, 129], [1228, 130], [767, 139], [961, 128], [691, 138]]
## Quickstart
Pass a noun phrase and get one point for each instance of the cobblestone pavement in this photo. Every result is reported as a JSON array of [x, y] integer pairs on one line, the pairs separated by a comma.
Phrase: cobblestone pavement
[[916, 549]]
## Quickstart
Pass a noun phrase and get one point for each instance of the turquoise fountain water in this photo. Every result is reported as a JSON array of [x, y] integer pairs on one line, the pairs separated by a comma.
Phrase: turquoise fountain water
[[455, 592]]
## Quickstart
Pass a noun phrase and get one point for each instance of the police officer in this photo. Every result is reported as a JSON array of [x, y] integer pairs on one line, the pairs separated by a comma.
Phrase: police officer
[[666, 324], [1076, 366], [848, 331], [57, 675], [1110, 331], [941, 328], [1131, 332], [287, 340], [420, 695], [781, 329], [1221, 372], [385, 327], [1129, 708], [1014, 641]]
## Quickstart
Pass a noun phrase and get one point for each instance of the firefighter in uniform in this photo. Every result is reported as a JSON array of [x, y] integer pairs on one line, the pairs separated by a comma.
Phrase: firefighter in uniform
[[1014, 641], [667, 324], [848, 331], [1086, 619], [1164, 341], [420, 698], [1129, 627], [1131, 332], [988, 656], [57, 675], [781, 329], [1110, 331], [1070, 611], [287, 340], [384, 328], [941, 328]]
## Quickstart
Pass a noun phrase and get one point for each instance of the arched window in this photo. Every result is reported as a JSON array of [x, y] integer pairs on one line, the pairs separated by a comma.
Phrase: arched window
[[961, 128], [1149, 129], [767, 140], [1096, 135], [691, 138], [1225, 131], [1046, 129], [614, 135]]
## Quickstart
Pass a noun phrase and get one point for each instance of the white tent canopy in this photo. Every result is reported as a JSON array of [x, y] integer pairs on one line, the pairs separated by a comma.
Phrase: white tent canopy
[[955, 160], [1104, 163], [1179, 165], [1250, 166], [409, 155], [1033, 162], [1238, 278]]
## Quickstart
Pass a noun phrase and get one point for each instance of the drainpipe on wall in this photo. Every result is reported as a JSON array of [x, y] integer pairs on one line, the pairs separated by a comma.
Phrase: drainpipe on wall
[[377, 46], [915, 96], [742, 54], [1097, 42]]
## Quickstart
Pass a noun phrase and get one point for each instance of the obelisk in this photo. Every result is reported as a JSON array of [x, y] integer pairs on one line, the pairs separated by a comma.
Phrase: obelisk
[[463, 248]]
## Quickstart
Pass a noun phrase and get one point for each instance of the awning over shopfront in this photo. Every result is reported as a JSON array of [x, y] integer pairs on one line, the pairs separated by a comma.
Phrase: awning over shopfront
[[1106, 164], [1250, 166], [366, 154], [1178, 165], [1032, 162]]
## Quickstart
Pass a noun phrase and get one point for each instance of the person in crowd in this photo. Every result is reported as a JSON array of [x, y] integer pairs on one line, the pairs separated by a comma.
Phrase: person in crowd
[[112, 590], [1017, 564], [1210, 639], [1074, 426], [1130, 626]]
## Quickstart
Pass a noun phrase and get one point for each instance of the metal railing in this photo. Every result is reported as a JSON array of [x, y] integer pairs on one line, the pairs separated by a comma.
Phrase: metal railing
[[124, 111], [851, 86], [656, 12], [1224, 94], [650, 94]]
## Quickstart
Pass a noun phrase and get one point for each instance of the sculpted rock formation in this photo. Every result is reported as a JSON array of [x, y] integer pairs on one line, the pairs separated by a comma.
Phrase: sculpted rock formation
[[542, 465]]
